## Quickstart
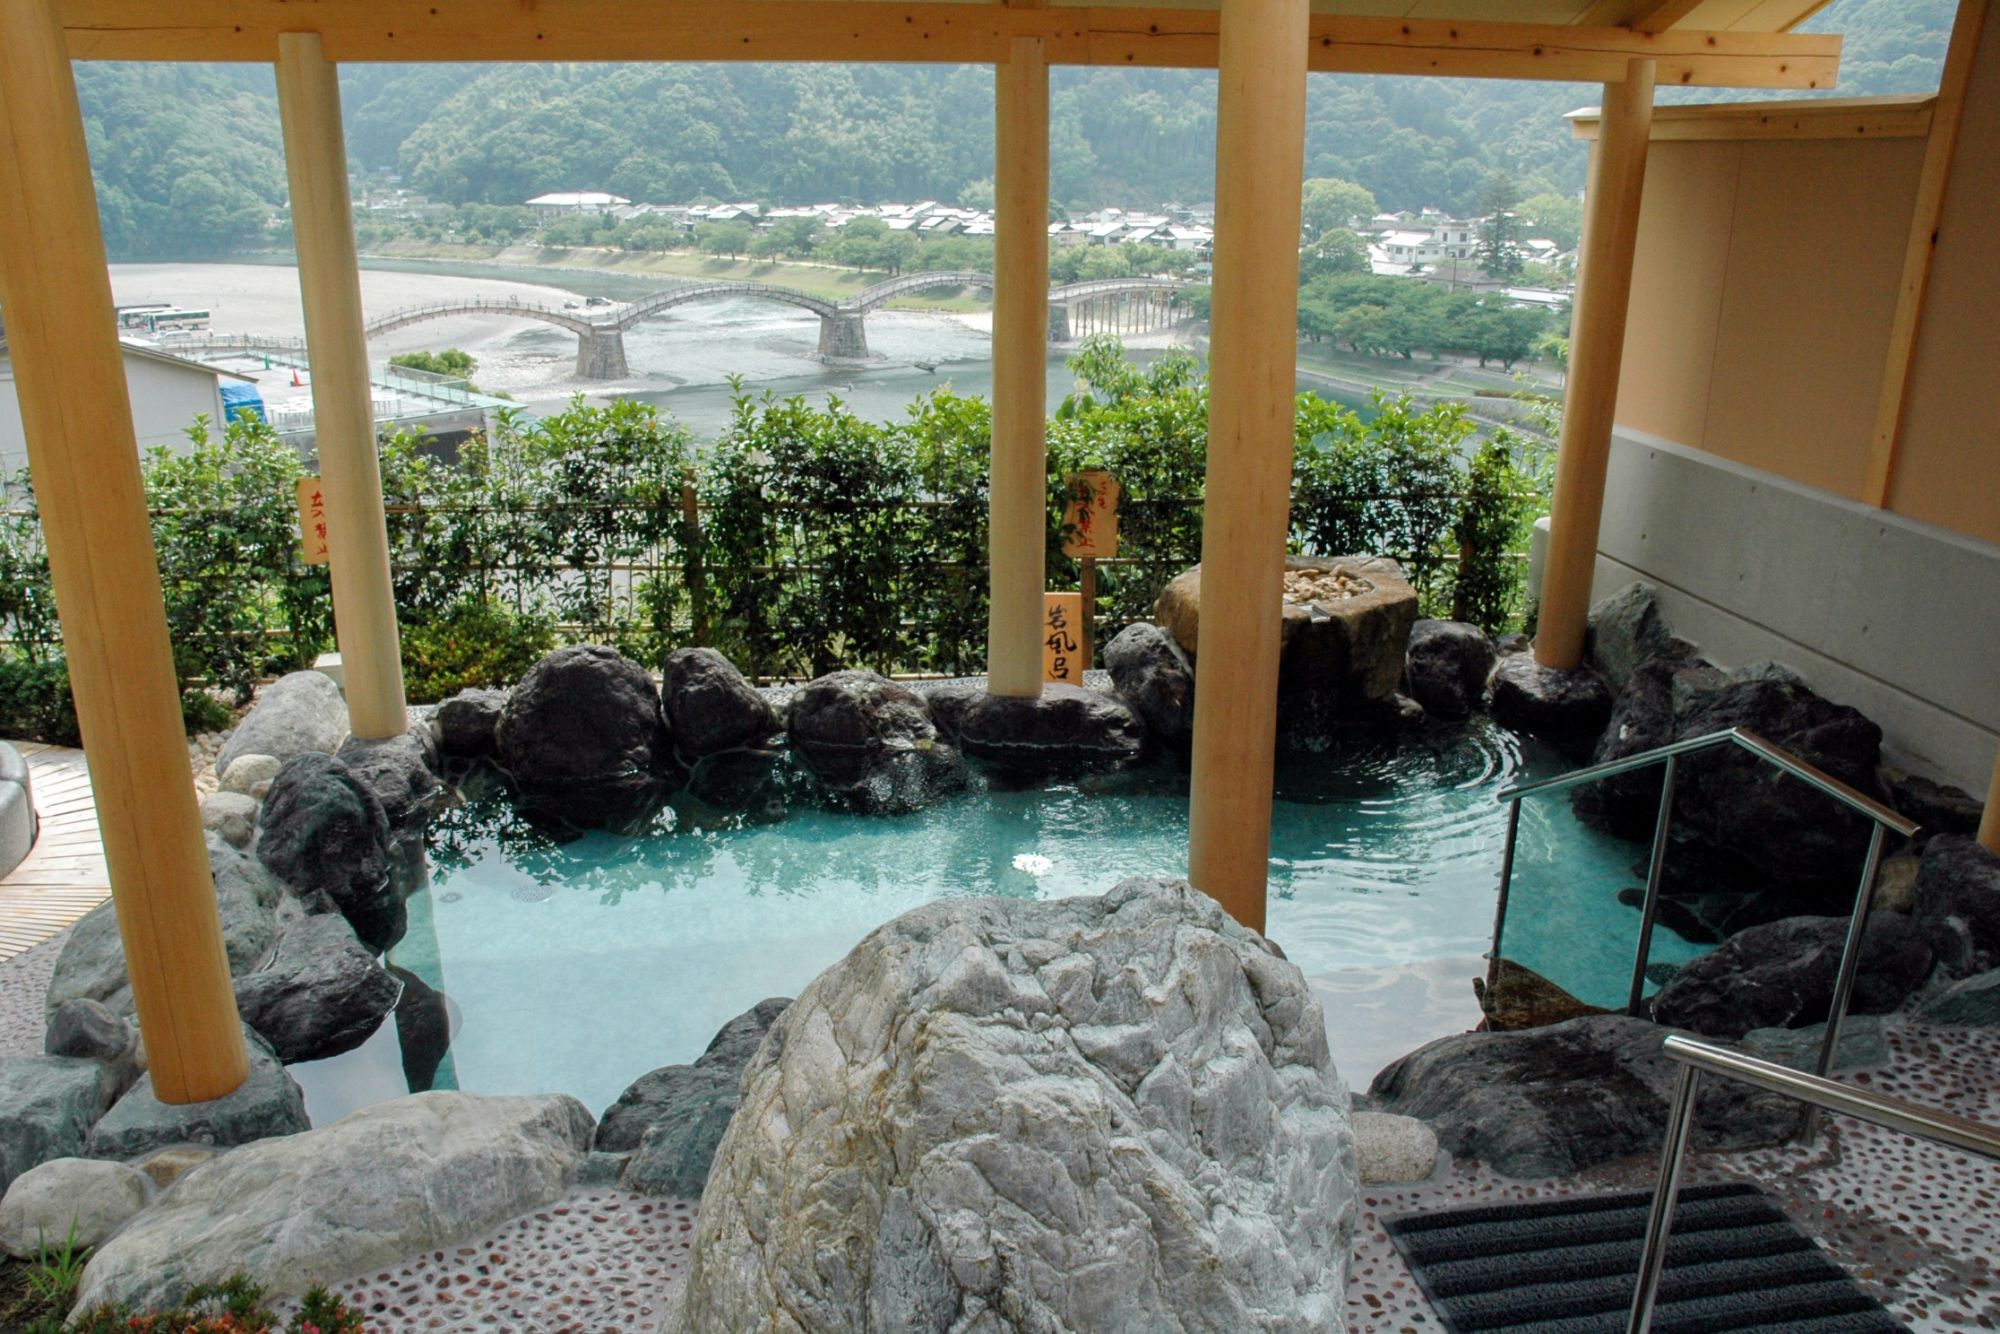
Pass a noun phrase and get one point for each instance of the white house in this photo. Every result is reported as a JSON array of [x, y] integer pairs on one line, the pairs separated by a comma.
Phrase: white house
[[560, 202], [168, 393]]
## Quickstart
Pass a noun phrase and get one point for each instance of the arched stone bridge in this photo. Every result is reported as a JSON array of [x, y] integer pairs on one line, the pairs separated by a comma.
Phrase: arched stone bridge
[[843, 334]]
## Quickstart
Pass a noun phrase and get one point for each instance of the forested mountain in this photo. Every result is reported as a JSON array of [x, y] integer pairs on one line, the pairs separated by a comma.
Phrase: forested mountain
[[188, 159]]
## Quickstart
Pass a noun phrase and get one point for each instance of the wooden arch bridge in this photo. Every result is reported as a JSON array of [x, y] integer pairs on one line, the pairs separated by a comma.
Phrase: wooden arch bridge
[[1101, 305]]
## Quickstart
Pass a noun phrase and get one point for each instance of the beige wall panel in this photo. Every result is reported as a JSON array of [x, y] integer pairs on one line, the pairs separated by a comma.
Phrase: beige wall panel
[[1815, 257], [1948, 464], [1677, 283]]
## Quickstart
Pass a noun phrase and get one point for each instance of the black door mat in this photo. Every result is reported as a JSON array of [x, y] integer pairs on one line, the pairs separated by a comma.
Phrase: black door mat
[[1734, 1262]]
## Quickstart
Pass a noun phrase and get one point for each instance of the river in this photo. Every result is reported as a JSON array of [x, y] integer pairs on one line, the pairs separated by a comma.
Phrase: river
[[684, 360]]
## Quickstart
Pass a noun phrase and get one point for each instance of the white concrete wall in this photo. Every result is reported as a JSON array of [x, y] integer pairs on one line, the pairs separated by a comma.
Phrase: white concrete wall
[[165, 401], [1890, 615]]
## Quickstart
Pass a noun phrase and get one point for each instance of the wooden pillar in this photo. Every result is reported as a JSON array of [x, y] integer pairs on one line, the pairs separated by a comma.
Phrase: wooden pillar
[[364, 604], [1989, 823], [1017, 503], [1260, 157], [70, 379], [1597, 350]]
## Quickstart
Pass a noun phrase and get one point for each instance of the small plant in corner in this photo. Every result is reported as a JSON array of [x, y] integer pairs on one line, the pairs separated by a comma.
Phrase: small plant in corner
[[234, 1306], [54, 1275]]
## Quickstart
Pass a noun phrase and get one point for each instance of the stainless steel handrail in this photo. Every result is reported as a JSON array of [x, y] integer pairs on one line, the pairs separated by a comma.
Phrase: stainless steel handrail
[[1740, 736], [1883, 817], [1905, 1118]]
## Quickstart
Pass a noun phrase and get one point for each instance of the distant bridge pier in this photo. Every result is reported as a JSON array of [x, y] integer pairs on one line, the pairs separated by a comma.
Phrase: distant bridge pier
[[1059, 323], [601, 356], [843, 336]]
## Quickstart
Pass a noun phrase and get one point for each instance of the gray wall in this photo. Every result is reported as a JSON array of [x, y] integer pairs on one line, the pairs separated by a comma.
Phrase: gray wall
[[1895, 617]]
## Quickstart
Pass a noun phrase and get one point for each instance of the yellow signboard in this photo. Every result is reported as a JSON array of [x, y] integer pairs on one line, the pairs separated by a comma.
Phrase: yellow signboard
[[312, 521], [1062, 638], [1090, 519]]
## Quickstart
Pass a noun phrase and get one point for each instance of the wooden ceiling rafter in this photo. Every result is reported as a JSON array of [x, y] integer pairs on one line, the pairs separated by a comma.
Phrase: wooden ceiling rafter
[[928, 32]]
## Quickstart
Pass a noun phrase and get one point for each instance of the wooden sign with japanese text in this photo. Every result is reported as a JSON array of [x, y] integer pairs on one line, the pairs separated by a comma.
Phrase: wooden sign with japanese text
[[312, 521], [1062, 638], [1090, 517]]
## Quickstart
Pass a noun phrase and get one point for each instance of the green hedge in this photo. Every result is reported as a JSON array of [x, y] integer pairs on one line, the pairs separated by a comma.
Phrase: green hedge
[[801, 540]]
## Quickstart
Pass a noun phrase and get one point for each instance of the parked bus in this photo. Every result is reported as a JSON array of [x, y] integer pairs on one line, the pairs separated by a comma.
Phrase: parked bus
[[158, 317]]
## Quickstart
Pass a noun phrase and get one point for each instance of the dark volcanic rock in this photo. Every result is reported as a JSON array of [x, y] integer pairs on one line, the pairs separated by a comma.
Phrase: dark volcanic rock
[[1958, 904], [321, 993], [1625, 629], [1642, 719], [467, 721], [1447, 667], [870, 742], [1556, 1101], [323, 832], [710, 707], [402, 773], [1066, 729], [584, 738], [297, 713], [1938, 807], [674, 1117], [269, 1102], [423, 1029], [1790, 832], [1971, 1000], [1566, 708], [47, 1106], [1154, 675], [92, 963], [86, 1028], [740, 780], [1781, 975]]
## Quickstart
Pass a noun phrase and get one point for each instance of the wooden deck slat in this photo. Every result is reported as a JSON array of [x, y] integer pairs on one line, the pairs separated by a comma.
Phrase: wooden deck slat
[[63, 876]]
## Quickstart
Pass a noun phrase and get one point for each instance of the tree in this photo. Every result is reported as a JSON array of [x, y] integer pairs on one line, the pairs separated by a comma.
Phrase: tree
[[1558, 217], [724, 238], [1327, 202], [977, 194], [451, 361], [1500, 230], [1336, 252]]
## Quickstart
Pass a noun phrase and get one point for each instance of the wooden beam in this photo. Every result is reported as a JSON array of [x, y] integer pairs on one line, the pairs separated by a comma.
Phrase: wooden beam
[[70, 379], [1638, 15], [1922, 244], [1017, 493], [1597, 352], [364, 604], [1989, 821], [1834, 118], [874, 30], [1259, 175]]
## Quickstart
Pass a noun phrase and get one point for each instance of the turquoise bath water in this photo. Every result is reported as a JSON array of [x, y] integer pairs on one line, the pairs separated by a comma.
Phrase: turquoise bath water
[[577, 967]]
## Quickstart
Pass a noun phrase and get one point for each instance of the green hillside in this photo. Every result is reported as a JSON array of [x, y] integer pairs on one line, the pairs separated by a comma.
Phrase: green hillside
[[188, 158]]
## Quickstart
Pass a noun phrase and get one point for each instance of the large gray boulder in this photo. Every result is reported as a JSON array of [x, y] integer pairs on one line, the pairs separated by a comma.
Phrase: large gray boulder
[[388, 1182], [324, 833], [870, 742], [297, 713], [1781, 975], [1567, 708], [91, 965], [1642, 719], [1087, 1113], [320, 994], [710, 707], [47, 1107], [1625, 629], [1957, 904], [1447, 667], [672, 1119], [1065, 729], [269, 1102], [82, 1027], [402, 772], [69, 1200], [1152, 672], [585, 740], [1969, 1001], [1787, 831], [1555, 1101]]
